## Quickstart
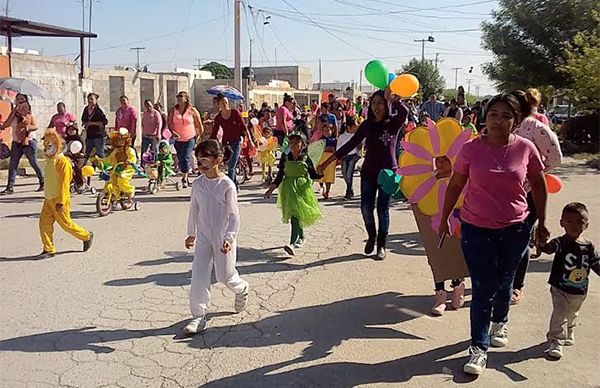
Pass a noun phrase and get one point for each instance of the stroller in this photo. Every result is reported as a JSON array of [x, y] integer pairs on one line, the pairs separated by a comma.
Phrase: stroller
[[74, 151], [159, 168]]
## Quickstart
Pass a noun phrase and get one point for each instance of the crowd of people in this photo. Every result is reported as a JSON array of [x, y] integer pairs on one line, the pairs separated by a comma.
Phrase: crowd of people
[[501, 171]]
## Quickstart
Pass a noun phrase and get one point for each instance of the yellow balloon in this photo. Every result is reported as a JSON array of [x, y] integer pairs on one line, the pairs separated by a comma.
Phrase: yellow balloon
[[87, 171], [405, 85]]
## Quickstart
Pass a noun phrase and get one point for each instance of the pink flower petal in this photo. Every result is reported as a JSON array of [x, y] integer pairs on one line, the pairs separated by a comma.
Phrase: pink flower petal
[[460, 140], [416, 150], [434, 135], [415, 169], [422, 190]]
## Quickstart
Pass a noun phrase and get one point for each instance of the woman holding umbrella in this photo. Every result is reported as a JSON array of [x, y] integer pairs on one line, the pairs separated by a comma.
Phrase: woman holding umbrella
[[185, 124], [23, 125]]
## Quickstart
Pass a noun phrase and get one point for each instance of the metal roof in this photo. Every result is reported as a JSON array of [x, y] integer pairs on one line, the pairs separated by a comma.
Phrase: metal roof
[[20, 27]]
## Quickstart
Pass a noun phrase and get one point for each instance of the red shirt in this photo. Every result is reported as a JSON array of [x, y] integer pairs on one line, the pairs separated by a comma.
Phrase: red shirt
[[233, 128]]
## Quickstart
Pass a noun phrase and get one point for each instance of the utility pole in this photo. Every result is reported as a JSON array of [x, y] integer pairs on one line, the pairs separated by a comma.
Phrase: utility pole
[[477, 90], [250, 70], [6, 14], [456, 69], [320, 72], [198, 64], [276, 74], [469, 85], [437, 60], [89, 52], [429, 39], [360, 83], [237, 72], [137, 50]]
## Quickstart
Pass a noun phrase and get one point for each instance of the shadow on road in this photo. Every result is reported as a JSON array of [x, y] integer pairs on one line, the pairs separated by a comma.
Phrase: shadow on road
[[76, 214], [409, 244], [33, 257]]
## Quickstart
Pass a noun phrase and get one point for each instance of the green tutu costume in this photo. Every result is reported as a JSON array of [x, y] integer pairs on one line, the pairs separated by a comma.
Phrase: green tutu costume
[[296, 197]]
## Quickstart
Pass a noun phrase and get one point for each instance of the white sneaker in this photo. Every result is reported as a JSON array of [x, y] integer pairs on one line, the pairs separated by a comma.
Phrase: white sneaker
[[241, 300], [499, 334], [555, 350], [570, 341], [477, 362], [290, 249], [196, 325], [299, 243]]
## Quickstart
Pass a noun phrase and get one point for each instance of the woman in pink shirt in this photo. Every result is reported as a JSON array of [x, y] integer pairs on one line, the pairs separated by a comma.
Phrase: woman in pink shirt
[[61, 119], [284, 120], [126, 117], [151, 128], [186, 125], [494, 233]]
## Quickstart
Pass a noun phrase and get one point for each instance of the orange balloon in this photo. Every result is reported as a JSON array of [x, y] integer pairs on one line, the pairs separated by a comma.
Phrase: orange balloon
[[405, 85], [554, 183]]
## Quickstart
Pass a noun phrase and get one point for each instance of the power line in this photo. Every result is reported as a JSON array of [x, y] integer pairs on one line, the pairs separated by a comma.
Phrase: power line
[[282, 44], [260, 40]]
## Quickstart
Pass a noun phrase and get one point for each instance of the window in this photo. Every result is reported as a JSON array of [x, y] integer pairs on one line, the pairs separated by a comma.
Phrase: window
[[172, 91], [116, 88], [146, 91]]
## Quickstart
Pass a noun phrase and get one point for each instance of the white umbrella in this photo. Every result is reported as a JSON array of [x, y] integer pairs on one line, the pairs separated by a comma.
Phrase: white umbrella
[[23, 86]]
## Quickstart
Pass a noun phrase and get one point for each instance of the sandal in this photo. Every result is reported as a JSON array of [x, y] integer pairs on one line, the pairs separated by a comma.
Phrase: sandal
[[517, 296]]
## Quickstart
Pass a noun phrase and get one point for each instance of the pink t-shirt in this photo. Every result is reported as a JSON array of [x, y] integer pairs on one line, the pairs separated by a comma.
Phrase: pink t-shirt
[[126, 118], [541, 117], [495, 192], [59, 122], [285, 120]]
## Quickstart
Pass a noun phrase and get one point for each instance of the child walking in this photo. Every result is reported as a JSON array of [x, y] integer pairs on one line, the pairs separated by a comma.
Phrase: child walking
[[266, 154], [296, 199], [213, 224], [349, 161], [573, 259], [328, 179]]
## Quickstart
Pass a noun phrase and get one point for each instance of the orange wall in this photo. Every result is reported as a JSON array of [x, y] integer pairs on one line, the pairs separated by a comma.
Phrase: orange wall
[[4, 105]]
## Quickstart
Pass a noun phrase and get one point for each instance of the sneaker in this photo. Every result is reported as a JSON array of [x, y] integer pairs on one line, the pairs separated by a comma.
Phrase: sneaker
[[381, 254], [196, 325], [241, 300], [289, 249], [517, 296], [458, 296], [499, 334], [555, 350], [300, 243], [184, 184], [570, 341], [477, 361], [40, 188], [45, 255], [88, 244], [7, 191], [440, 303], [370, 246]]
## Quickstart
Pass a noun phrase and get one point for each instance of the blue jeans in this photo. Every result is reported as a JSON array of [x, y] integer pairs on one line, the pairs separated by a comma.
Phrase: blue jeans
[[531, 219], [151, 142], [235, 155], [369, 190], [184, 154], [16, 152], [98, 143], [492, 257], [348, 164]]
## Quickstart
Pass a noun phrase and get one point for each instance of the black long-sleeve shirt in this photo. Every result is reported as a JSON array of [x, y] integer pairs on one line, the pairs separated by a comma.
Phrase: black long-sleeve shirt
[[94, 131], [312, 172]]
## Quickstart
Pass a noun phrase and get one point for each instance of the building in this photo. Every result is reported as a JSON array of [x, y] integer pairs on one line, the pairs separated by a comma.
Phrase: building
[[297, 76]]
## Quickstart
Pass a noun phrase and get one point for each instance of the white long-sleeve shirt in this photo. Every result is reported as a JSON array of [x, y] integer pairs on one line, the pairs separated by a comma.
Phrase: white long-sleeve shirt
[[544, 139], [214, 209]]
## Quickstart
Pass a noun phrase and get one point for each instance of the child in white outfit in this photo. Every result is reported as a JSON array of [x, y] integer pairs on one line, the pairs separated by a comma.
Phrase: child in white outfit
[[213, 224]]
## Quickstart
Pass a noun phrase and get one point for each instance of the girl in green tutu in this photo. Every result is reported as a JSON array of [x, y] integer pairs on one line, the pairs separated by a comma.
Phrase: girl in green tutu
[[296, 198]]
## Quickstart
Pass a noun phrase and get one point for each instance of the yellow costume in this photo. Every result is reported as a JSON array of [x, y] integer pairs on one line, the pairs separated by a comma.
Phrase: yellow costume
[[266, 156], [122, 156], [329, 172], [58, 173]]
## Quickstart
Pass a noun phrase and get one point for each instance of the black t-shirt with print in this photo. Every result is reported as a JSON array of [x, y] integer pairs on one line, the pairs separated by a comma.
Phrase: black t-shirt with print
[[572, 263]]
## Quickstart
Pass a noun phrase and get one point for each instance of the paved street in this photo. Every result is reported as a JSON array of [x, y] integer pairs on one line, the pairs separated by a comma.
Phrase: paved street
[[327, 317]]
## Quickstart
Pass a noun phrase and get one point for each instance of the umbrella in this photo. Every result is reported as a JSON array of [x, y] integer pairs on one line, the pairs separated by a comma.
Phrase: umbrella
[[22, 86], [228, 91]]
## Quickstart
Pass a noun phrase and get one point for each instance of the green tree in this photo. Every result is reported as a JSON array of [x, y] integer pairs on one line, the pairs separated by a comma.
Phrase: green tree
[[528, 38], [429, 77], [218, 70], [582, 67]]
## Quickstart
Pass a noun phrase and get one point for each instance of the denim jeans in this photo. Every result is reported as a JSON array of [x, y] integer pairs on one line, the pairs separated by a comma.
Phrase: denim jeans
[[348, 164], [531, 219], [369, 192], [98, 143], [151, 142], [16, 152], [235, 155], [492, 257], [184, 154]]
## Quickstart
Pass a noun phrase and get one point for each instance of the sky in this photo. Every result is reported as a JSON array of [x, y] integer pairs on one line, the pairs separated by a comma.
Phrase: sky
[[344, 34]]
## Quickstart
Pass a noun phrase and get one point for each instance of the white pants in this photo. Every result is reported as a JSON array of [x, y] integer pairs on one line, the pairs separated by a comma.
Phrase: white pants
[[205, 254]]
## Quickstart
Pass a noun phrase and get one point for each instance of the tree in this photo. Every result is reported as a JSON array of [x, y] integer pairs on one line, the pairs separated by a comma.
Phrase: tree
[[218, 70], [429, 77], [582, 67], [528, 38]]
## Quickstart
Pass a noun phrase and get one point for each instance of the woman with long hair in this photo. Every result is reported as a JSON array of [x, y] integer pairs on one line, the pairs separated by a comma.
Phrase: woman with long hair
[[380, 134], [94, 121], [186, 125], [284, 122]]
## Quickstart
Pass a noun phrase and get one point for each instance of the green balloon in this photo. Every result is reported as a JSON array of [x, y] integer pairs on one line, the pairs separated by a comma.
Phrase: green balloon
[[377, 74]]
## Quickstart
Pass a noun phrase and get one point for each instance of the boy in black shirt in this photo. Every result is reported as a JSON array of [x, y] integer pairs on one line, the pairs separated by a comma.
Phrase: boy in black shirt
[[574, 258]]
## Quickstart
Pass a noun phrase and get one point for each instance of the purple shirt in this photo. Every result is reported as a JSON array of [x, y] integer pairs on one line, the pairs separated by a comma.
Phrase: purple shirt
[[380, 139], [496, 195], [126, 118]]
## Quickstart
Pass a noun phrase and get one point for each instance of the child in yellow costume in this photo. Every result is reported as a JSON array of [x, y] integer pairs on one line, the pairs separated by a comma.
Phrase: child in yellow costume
[[57, 197], [122, 159]]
